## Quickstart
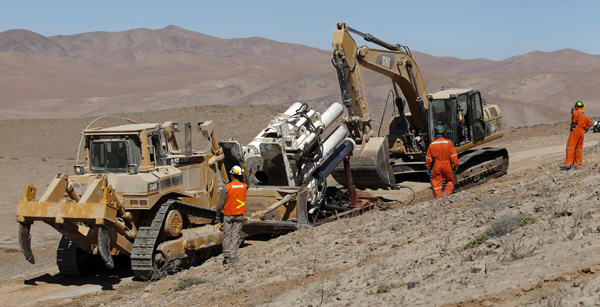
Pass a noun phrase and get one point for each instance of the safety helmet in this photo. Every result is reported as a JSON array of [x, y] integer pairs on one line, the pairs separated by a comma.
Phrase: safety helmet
[[579, 104], [440, 129], [236, 170]]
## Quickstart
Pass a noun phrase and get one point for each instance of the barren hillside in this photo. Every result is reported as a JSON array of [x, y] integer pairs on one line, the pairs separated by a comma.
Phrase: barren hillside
[[91, 74]]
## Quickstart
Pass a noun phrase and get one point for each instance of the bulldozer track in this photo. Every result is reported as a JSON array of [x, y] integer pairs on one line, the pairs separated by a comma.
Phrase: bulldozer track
[[142, 254], [66, 257]]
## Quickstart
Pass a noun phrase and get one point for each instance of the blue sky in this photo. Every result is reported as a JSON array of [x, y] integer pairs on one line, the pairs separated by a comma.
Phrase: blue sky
[[466, 29]]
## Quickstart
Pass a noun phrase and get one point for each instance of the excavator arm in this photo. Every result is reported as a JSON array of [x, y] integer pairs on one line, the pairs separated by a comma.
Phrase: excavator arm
[[371, 161], [396, 62]]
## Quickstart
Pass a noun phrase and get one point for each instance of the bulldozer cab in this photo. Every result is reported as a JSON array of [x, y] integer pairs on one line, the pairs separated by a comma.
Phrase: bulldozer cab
[[114, 155], [115, 149]]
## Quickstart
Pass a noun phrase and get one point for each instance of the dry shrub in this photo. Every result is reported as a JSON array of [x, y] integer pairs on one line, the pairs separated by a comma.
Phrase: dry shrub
[[188, 282], [503, 226]]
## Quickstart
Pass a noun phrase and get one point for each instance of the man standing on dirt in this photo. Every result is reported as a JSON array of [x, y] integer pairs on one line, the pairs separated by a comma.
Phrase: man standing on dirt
[[442, 154], [579, 125], [233, 209]]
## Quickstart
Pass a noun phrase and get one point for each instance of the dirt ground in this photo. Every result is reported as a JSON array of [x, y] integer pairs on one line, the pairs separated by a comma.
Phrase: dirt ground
[[406, 255]]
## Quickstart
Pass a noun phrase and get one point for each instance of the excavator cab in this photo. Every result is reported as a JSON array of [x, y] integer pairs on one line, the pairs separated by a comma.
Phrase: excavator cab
[[444, 112], [461, 112]]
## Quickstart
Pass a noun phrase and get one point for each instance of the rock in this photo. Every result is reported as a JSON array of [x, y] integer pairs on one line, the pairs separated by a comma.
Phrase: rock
[[588, 270], [490, 267], [478, 268], [469, 258], [491, 243]]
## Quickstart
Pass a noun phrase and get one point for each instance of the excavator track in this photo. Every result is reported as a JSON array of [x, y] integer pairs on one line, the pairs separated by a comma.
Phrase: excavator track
[[477, 166], [142, 254]]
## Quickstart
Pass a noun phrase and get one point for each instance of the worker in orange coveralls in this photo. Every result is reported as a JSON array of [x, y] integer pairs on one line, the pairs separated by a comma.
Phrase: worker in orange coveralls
[[442, 156], [579, 126]]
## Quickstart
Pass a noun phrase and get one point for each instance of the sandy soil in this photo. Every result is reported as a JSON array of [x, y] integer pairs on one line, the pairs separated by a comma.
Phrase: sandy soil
[[406, 255]]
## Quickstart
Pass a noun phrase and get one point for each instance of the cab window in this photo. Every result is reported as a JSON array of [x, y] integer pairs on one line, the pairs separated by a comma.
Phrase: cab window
[[108, 156]]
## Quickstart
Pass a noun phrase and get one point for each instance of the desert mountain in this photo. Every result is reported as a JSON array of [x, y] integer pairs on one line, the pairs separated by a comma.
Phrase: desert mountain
[[177, 43], [533, 62], [97, 73], [30, 43]]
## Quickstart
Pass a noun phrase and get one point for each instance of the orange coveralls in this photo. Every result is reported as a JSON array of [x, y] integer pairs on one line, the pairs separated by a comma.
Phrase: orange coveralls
[[442, 154], [233, 211], [581, 123]]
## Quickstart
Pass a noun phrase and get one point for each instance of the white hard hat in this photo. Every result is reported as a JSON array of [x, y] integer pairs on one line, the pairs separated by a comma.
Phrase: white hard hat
[[236, 170]]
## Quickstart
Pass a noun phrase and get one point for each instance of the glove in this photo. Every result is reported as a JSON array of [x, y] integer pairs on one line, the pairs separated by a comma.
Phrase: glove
[[455, 169], [429, 171], [217, 220]]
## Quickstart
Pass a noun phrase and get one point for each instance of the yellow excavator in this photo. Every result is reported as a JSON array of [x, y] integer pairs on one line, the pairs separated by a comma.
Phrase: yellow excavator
[[380, 162]]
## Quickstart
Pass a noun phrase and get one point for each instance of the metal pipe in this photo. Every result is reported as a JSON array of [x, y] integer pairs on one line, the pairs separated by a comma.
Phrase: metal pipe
[[349, 181], [370, 38], [330, 144], [327, 118], [261, 214], [327, 167], [71, 192], [188, 139], [293, 108], [331, 114]]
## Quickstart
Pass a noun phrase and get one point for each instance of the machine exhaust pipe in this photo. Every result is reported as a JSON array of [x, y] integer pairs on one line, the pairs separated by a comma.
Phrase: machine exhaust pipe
[[104, 247], [188, 139], [25, 241]]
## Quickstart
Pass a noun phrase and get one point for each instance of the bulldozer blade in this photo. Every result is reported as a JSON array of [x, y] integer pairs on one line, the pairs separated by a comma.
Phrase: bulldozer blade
[[370, 166], [25, 241], [104, 247]]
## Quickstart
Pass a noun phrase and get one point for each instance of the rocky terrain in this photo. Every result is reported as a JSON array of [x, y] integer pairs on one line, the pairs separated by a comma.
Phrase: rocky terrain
[[541, 225]]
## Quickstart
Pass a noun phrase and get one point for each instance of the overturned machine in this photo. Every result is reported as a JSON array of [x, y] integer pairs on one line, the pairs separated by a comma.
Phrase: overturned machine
[[289, 154], [141, 196]]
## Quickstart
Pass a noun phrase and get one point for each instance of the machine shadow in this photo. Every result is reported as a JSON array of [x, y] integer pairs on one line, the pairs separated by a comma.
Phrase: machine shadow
[[101, 276]]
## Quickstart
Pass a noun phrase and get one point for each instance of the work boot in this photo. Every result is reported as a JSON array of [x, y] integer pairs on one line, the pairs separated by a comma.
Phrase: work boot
[[226, 260], [234, 260], [565, 167]]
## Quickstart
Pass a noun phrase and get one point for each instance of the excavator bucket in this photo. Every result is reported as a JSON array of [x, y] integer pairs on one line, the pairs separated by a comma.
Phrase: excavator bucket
[[370, 165]]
